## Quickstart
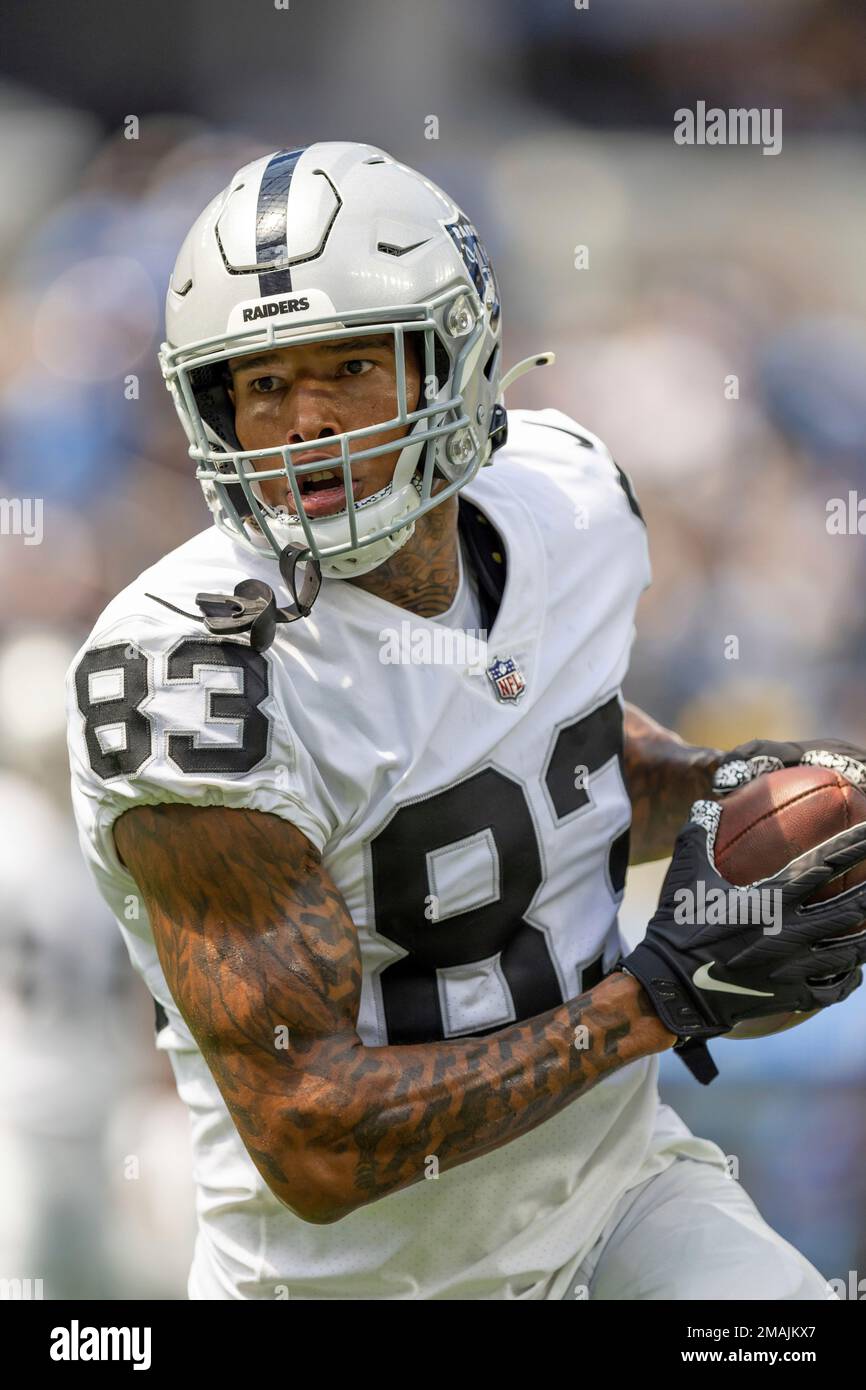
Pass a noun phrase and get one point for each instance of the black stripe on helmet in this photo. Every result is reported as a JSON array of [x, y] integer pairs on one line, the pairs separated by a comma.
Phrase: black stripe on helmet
[[271, 218]]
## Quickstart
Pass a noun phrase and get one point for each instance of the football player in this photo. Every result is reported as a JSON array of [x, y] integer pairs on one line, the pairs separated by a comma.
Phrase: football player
[[372, 881]]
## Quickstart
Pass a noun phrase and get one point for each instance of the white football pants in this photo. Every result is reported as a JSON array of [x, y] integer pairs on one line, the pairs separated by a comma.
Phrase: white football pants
[[693, 1232]]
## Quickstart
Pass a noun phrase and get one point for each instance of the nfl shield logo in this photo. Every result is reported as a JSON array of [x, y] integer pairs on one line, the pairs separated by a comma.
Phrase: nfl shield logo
[[507, 679]]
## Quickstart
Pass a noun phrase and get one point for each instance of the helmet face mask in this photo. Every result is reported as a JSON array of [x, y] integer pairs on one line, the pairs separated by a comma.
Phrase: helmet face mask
[[449, 307], [441, 439]]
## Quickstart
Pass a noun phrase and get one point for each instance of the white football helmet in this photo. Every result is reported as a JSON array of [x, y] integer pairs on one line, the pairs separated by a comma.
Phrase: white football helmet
[[338, 239]]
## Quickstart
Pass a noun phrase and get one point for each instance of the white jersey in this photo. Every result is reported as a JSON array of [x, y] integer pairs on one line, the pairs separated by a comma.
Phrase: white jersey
[[473, 814]]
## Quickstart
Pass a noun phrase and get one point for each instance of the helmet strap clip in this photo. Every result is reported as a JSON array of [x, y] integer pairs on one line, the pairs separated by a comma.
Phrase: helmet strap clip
[[252, 608]]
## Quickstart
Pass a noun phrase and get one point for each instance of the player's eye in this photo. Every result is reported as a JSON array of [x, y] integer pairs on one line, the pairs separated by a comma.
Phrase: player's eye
[[264, 385], [358, 366]]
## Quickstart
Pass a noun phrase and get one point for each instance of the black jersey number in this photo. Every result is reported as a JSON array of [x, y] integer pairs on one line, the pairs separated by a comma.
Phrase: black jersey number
[[495, 806], [113, 708]]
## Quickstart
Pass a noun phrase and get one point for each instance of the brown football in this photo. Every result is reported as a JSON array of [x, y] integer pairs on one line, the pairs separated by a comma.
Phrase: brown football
[[770, 821]]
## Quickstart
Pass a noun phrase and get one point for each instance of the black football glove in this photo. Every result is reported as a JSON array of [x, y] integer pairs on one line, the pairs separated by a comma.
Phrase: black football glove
[[703, 979], [750, 759]]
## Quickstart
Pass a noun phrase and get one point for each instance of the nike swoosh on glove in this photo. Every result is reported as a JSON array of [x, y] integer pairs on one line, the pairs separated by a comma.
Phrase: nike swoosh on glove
[[751, 759]]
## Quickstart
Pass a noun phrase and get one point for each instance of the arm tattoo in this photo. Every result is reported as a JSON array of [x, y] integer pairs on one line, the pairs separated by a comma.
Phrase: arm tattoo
[[254, 938], [664, 776]]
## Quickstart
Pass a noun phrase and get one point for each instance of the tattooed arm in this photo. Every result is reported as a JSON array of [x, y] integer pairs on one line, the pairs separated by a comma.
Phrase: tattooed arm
[[252, 934], [664, 776]]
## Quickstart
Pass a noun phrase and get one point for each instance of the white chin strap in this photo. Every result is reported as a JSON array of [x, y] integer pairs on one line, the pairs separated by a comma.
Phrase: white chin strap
[[367, 557]]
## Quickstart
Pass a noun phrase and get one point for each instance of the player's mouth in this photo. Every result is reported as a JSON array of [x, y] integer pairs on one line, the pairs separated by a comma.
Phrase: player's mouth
[[323, 493]]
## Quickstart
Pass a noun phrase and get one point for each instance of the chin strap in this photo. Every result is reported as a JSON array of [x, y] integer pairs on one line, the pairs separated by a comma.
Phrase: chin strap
[[253, 607], [527, 364]]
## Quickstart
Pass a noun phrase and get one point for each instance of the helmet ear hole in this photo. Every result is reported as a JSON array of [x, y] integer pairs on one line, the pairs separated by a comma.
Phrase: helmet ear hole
[[441, 361], [441, 367], [209, 386]]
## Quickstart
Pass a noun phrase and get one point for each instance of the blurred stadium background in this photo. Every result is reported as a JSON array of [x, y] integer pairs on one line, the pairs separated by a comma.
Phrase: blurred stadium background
[[554, 131]]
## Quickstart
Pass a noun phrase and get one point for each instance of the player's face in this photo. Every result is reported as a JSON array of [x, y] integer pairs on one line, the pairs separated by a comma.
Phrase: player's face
[[312, 391]]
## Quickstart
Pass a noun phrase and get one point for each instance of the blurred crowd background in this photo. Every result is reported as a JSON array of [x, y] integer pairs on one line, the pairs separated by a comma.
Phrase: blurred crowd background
[[555, 131]]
